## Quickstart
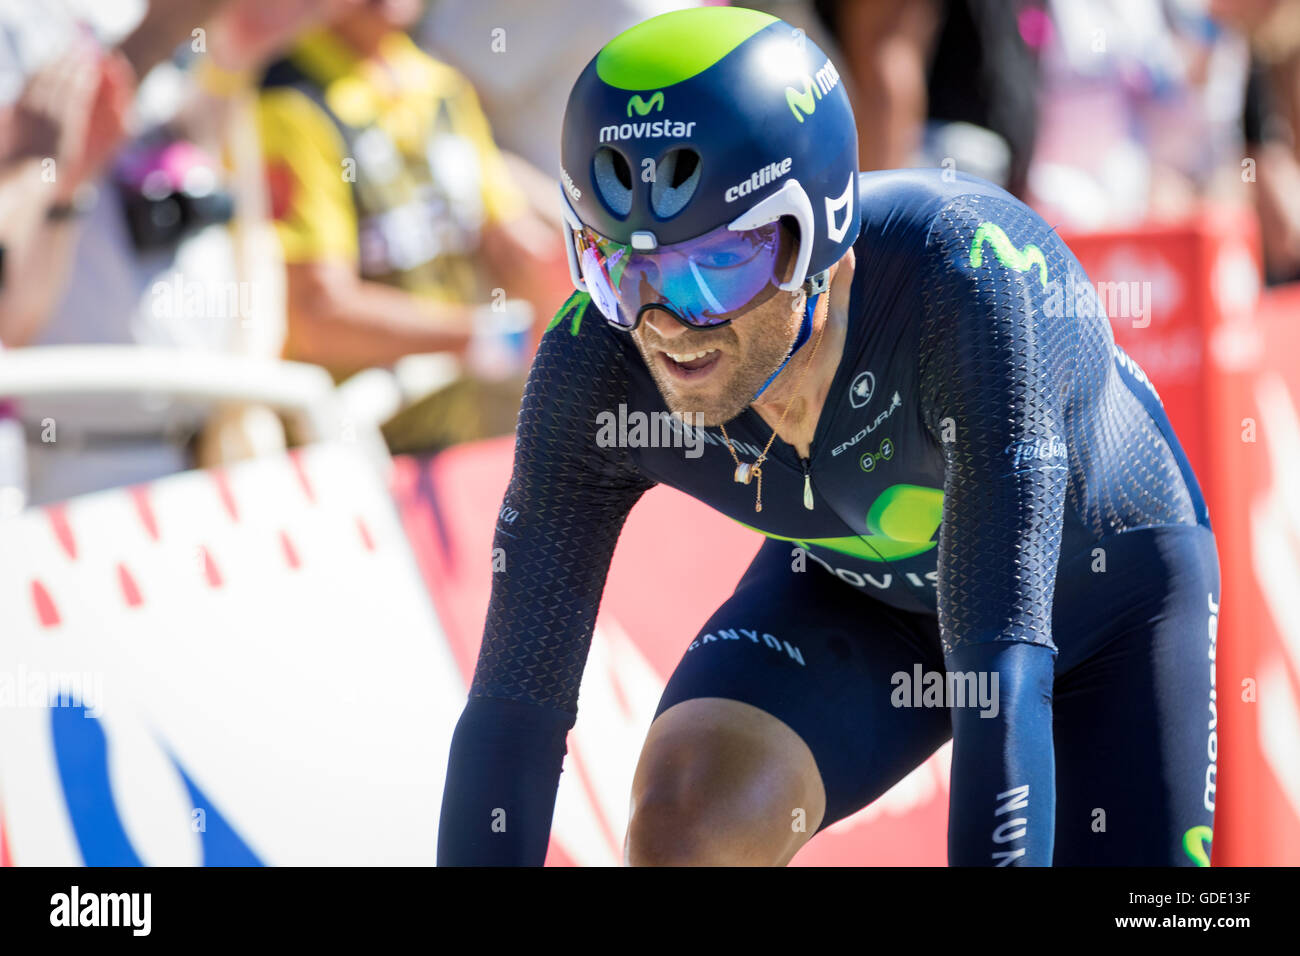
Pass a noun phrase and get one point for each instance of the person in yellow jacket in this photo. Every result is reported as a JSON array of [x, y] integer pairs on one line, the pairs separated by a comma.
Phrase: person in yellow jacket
[[399, 223]]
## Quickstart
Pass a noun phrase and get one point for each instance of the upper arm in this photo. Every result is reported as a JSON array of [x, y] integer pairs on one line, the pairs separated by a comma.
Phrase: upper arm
[[561, 516], [992, 397]]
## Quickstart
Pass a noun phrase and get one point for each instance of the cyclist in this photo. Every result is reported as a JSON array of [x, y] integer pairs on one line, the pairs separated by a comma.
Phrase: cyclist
[[979, 522]]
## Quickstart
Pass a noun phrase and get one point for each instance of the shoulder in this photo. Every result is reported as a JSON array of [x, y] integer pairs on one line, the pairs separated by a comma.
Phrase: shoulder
[[581, 360], [918, 226], [436, 77], [583, 368], [913, 254], [957, 236], [290, 120], [919, 207], [578, 332]]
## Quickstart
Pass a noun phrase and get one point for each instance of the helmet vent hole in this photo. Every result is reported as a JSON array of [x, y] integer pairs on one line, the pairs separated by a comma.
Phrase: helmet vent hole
[[613, 180], [687, 162], [675, 182]]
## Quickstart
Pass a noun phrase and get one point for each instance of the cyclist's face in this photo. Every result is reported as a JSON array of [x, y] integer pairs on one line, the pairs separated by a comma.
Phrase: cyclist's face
[[737, 358]]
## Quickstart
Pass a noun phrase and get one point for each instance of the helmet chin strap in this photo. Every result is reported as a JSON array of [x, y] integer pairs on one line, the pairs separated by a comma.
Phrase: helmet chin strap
[[815, 287]]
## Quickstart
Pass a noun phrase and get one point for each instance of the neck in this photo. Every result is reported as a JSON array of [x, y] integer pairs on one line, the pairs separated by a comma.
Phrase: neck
[[804, 384]]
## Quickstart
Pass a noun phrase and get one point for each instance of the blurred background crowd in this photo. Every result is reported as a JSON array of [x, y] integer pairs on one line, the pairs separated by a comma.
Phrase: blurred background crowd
[[370, 185]]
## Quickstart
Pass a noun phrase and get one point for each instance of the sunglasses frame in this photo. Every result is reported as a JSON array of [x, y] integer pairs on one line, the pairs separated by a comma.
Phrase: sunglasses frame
[[790, 200]]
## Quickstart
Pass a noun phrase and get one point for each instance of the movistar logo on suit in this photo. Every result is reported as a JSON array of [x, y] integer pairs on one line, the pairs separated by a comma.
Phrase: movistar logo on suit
[[642, 107], [1019, 259], [804, 102]]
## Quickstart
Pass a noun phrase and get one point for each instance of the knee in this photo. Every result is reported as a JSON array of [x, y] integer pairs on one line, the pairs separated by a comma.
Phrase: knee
[[682, 829], [721, 783]]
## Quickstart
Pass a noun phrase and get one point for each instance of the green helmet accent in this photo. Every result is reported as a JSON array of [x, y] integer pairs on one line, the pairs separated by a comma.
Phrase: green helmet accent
[[666, 50]]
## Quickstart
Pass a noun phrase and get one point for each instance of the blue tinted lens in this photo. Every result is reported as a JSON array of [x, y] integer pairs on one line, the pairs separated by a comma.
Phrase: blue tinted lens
[[600, 287], [705, 280]]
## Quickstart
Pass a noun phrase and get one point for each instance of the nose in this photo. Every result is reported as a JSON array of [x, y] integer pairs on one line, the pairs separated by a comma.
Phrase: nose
[[664, 325]]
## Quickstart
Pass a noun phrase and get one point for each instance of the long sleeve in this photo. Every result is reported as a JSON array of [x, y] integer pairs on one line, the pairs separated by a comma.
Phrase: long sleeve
[[991, 394], [1003, 789], [563, 511]]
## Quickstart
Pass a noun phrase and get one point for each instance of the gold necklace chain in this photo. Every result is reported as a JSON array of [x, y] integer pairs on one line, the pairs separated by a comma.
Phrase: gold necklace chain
[[746, 471]]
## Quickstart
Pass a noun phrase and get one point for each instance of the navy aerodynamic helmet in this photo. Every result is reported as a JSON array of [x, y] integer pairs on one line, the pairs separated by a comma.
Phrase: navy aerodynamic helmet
[[686, 140]]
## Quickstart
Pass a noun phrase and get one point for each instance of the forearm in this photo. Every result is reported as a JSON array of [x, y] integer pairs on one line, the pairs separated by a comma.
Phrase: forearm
[[35, 282], [887, 43], [362, 324], [525, 257], [1002, 809], [559, 522], [502, 776], [38, 252]]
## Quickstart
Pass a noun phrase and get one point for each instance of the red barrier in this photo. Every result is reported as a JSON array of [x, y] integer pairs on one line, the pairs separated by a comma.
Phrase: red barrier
[[1223, 359], [1187, 281], [1257, 428]]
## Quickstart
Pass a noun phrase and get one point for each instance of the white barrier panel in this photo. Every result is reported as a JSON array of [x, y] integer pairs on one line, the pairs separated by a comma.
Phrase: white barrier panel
[[222, 668]]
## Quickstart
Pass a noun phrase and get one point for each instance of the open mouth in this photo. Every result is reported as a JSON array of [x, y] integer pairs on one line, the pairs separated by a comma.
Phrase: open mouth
[[690, 365]]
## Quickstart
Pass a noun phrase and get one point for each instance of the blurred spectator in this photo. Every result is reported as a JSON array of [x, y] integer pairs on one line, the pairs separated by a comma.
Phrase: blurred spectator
[[54, 140], [886, 48], [522, 58], [167, 253], [242, 39], [933, 82], [1140, 113], [63, 105], [400, 225], [982, 86], [1271, 124]]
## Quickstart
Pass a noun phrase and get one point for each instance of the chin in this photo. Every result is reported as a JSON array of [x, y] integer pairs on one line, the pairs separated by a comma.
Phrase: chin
[[710, 411]]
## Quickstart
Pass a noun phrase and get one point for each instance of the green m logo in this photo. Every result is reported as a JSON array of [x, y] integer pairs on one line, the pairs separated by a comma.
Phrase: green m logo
[[1194, 845], [806, 101], [900, 524], [1022, 260], [573, 309], [642, 107]]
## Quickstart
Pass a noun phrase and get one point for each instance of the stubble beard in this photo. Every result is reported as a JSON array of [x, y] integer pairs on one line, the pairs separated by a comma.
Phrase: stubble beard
[[716, 404]]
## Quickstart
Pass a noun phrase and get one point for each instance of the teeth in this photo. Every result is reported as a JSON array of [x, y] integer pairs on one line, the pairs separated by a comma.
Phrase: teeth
[[689, 356]]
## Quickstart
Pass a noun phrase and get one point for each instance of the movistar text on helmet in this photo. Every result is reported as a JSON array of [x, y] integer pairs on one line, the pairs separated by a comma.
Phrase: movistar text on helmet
[[646, 130], [769, 173]]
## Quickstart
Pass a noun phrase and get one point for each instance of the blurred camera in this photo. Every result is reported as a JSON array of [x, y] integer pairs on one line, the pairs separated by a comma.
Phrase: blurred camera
[[170, 191]]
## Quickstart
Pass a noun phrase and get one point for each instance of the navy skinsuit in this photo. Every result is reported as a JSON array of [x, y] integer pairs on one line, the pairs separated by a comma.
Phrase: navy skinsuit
[[997, 493]]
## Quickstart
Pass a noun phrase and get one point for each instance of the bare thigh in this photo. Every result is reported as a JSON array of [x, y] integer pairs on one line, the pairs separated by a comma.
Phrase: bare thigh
[[780, 720], [721, 782]]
